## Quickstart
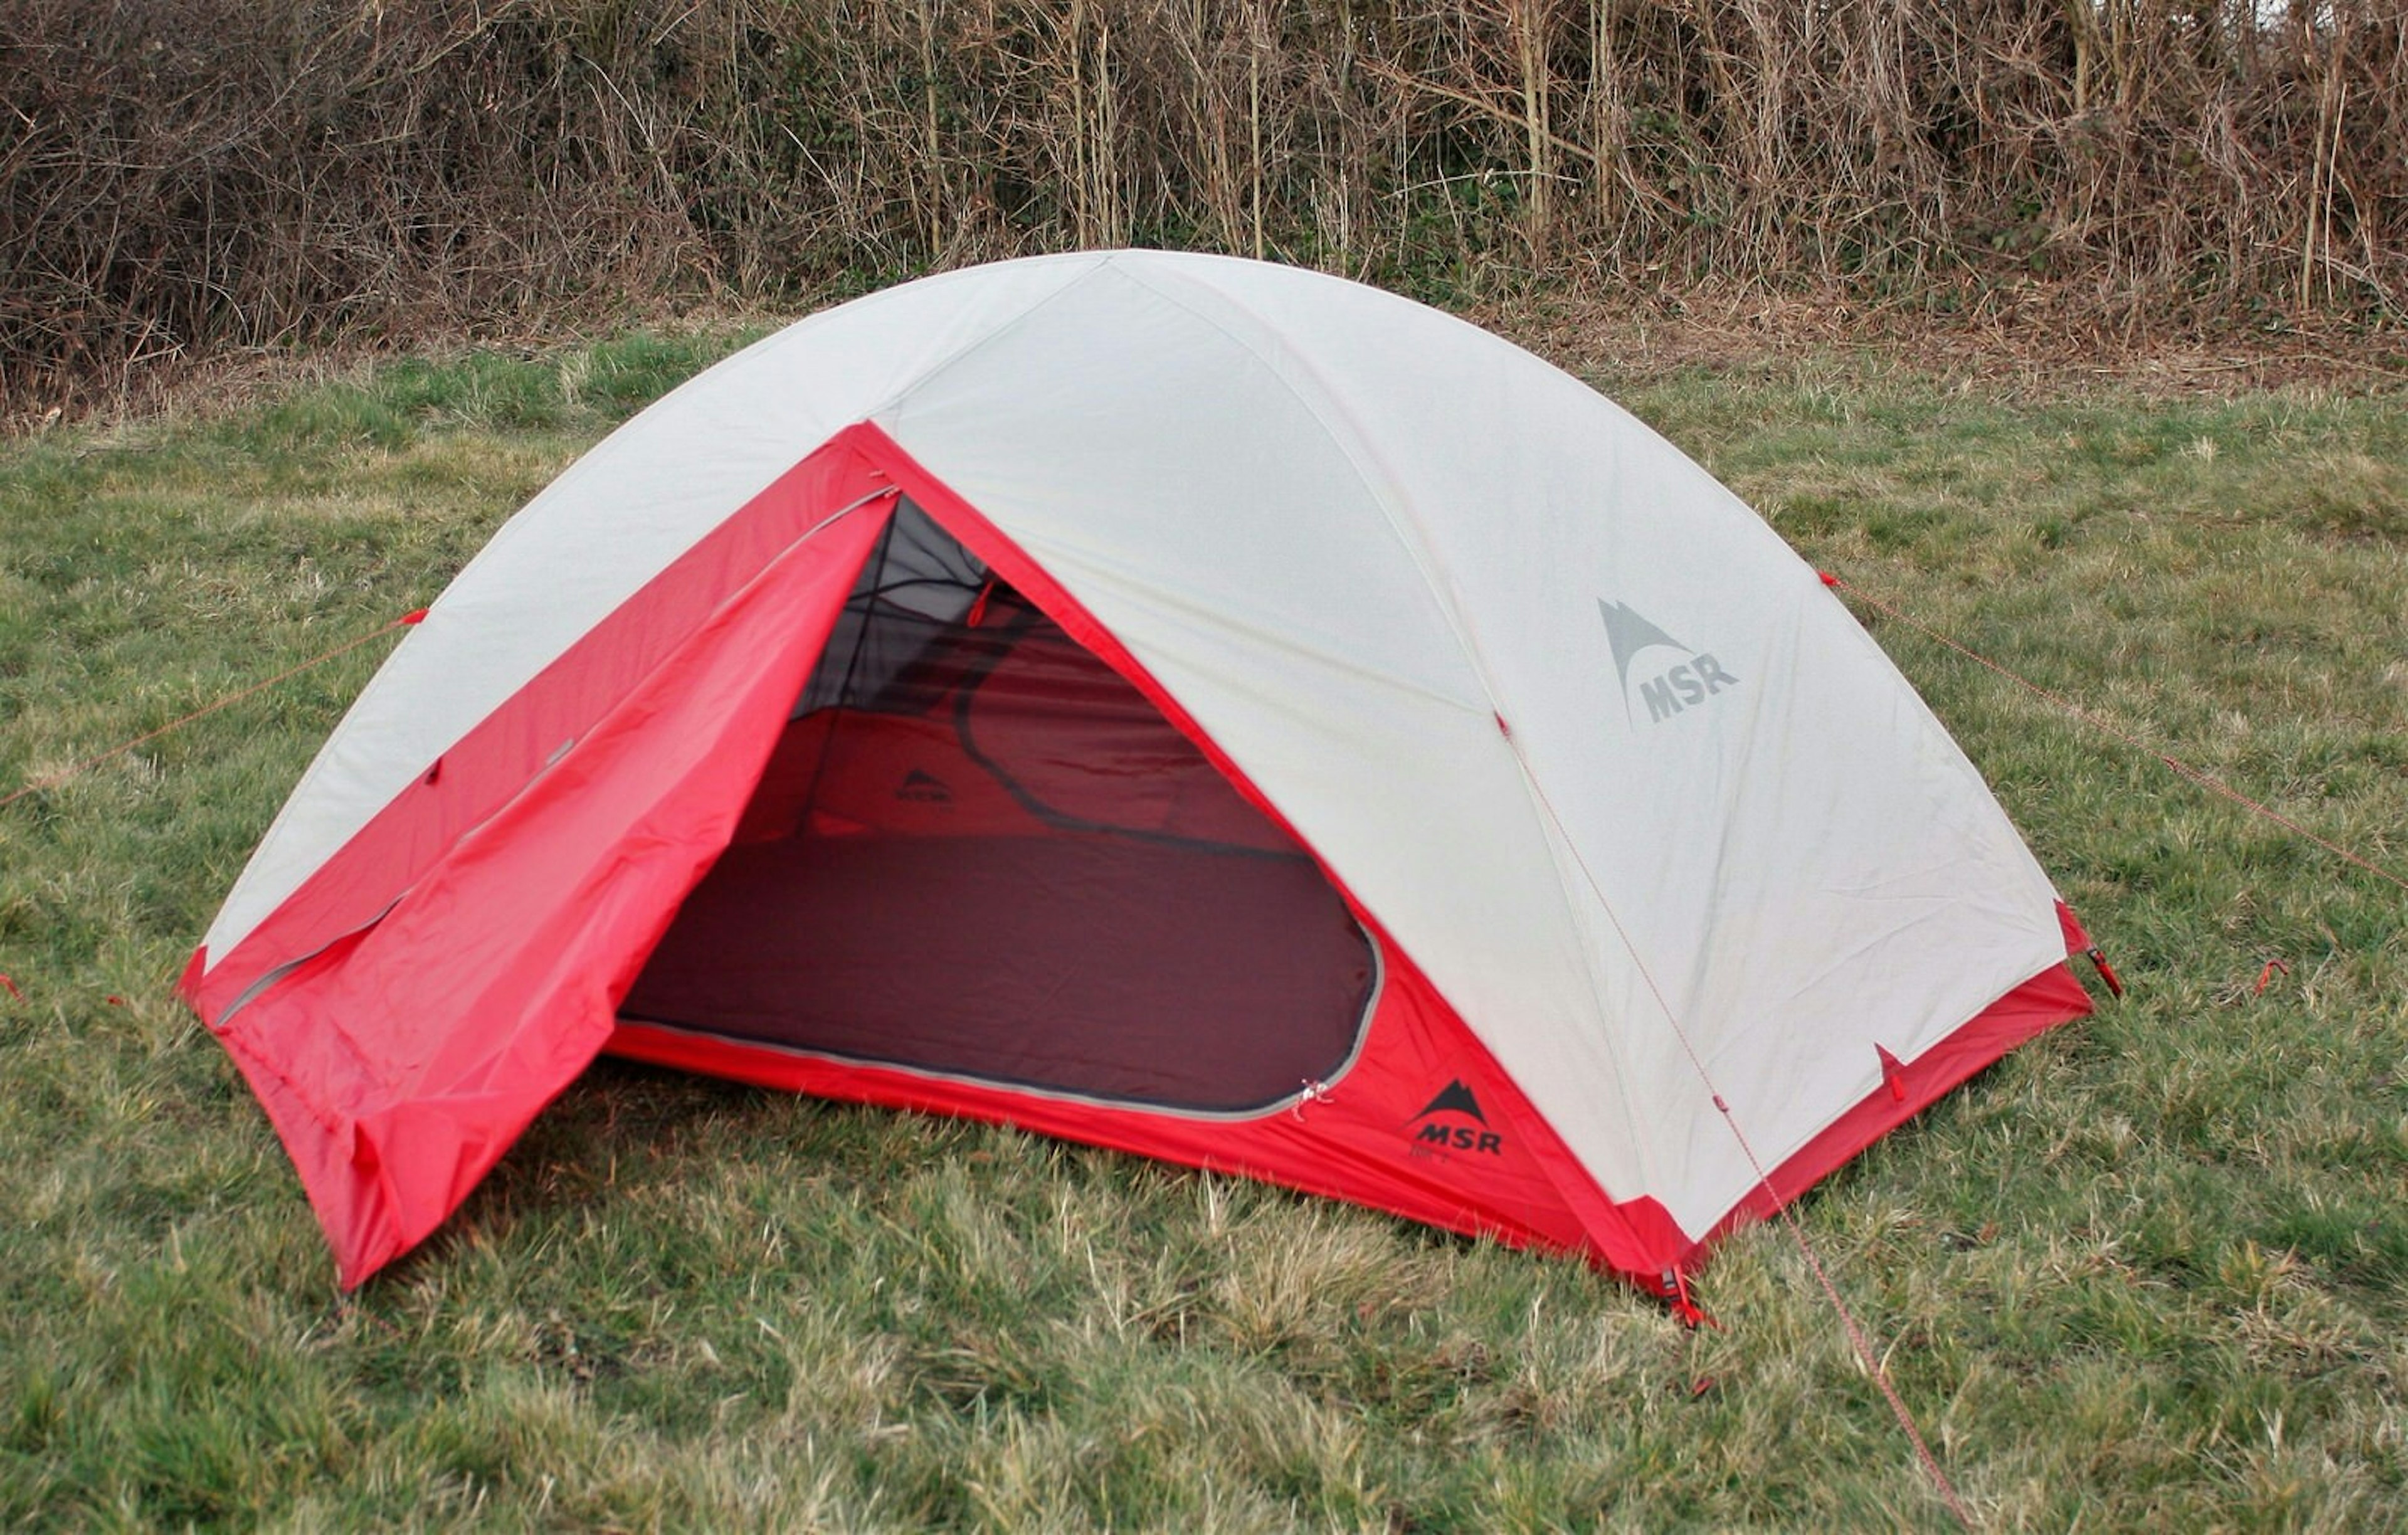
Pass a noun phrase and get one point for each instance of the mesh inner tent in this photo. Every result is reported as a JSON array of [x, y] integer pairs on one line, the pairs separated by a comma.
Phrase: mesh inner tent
[[979, 850]]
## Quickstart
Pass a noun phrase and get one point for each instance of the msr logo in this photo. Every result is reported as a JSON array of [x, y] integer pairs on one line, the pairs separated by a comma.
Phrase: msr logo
[[1685, 685], [1441, 1126], [924, 788]]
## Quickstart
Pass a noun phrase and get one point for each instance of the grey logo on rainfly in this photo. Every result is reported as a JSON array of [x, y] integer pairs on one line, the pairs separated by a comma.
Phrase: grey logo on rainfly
[[1683, 685], [924, 788]]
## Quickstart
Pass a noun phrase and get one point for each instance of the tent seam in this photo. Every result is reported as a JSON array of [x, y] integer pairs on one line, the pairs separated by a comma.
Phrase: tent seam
[[900, 399], [1347, 438]]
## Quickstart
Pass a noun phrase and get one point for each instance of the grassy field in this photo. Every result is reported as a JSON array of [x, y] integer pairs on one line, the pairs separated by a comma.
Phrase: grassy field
[[2150, 1272]]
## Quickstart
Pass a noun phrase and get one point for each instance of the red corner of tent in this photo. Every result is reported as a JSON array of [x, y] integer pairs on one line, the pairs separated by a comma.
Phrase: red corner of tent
[[383, 1176], [188, 985], [2077, 940], [2051, 997], [358, 1213]]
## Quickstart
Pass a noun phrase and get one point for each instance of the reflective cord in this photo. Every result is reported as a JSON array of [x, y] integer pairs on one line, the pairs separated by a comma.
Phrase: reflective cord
[[1857, 1335], [53, 780]]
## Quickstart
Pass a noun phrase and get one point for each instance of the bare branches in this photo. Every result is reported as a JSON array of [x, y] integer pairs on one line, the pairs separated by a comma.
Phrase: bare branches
[[184, 176]]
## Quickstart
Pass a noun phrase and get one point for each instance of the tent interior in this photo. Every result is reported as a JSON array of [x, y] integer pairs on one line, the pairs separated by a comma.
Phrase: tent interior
[[978, 851]]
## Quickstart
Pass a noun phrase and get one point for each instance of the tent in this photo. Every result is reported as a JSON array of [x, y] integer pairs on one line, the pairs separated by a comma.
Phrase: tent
[[1176, 703]]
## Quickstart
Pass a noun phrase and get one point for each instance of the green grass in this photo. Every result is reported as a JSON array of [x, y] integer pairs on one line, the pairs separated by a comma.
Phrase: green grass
[[2151, 1273]]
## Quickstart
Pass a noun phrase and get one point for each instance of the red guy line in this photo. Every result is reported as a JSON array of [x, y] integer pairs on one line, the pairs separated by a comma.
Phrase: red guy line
[[53, 779], [1857, 1334]]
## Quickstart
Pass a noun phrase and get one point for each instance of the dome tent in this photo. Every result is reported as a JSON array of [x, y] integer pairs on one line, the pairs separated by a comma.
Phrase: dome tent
[[1182, 704]]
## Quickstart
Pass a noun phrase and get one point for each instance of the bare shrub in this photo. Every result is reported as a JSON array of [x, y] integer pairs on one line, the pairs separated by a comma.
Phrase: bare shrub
[[185, 176]]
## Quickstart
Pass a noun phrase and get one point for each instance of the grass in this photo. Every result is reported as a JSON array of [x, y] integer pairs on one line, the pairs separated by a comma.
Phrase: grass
[[2152, 1271]]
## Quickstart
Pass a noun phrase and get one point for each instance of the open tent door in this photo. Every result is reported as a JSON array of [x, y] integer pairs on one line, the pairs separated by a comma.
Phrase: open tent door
[[990, 871], [412, 1040], [978, 851]]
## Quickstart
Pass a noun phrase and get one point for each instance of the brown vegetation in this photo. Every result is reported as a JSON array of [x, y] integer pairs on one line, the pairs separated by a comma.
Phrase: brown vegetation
[[184, 177]]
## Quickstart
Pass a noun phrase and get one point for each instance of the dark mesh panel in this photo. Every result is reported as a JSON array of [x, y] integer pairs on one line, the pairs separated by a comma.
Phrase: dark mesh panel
[[978, 850]]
